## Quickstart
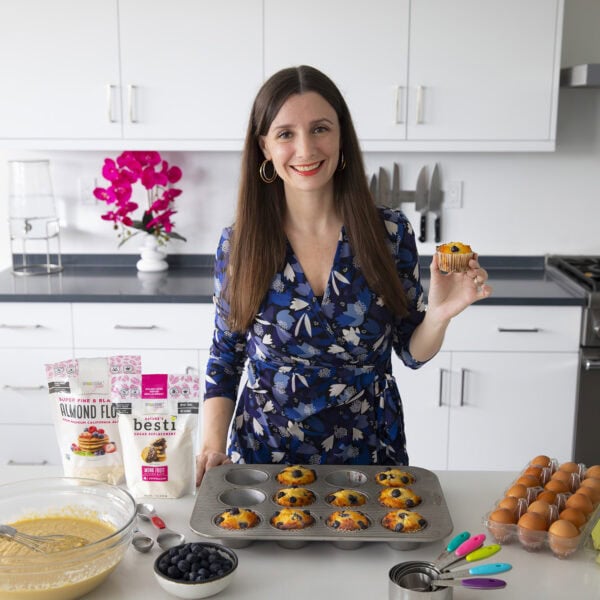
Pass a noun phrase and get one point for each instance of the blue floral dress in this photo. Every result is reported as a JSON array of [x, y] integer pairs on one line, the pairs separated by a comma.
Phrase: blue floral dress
[[319, 379]]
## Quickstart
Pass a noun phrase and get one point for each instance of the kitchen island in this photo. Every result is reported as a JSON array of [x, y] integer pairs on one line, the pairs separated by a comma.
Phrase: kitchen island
[[320, 570]]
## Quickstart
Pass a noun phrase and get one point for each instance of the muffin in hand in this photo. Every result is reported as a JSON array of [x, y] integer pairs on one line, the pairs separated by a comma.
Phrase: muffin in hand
[[454, 257]]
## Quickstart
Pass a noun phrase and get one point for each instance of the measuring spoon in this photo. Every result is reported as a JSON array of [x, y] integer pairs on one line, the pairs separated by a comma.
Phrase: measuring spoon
[[487, 569], [141, 542], [453, 544], [475, 583], [167, 538], [479, 554], [465, 548]]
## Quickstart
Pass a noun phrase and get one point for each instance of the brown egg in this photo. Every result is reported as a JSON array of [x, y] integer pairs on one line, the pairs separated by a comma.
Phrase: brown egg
[[528, 480], [548, 496], [558, 486], [593, 471], [509, 502], [593, 484], [533, 521], [517, 491], [533, 470], [565, 476], [540, 461], [563, 538], [569, 467], [541, 507], [589, 492], [531, 527], [574, 515], [580, 502], [500, 524]]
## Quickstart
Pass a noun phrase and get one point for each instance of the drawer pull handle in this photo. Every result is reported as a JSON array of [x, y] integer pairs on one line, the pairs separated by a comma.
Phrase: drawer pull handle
[[23, 388], [441, 388], [591, 365], [519, 329], [463, 381], [18, 463], [7, 326], [135, 326]]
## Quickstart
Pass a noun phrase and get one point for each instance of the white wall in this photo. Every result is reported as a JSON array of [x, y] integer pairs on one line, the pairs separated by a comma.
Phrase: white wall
[[513, 203]]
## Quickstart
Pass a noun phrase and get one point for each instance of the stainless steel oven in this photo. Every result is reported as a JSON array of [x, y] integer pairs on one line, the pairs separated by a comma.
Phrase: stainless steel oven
[[584, 271]]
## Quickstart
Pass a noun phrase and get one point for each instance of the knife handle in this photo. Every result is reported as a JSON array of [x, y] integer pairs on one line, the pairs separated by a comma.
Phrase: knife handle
[[438, 230], [422, 237]]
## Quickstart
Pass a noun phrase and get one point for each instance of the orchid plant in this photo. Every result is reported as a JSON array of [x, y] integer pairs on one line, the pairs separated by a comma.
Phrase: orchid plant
[[157, 177]]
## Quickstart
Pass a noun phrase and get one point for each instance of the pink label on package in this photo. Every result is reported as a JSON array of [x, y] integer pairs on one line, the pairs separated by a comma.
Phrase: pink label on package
[[154, 386], [155, 473]]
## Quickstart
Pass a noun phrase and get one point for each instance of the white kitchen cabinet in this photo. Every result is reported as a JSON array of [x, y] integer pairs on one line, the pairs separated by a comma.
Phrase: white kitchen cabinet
[[501, 391], [27, 444], [109, 73], [431, 74]]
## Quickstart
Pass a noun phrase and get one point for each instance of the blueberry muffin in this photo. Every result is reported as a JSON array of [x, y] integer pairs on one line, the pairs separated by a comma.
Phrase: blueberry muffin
[[399, 497], [345, 497], [292, 518], [294, 496], [394, 478], [237, 518], [404, 521], [347, 520], [454, 257], [296, 475]]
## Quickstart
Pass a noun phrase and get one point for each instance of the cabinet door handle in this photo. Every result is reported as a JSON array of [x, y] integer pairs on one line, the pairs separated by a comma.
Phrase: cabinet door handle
[[131, 97], [463, 380], [18, 463], [23, 388], [441, 390], [399, 104], [7, 326], [519, 329], [117, 326], [109, 102], [420, 96]]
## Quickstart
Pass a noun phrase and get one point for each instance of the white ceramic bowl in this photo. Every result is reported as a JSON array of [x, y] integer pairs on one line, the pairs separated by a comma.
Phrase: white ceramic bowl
[[196, 589]]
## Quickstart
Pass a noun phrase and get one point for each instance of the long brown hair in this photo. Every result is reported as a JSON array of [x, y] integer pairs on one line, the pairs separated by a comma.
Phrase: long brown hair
[[258, 243]]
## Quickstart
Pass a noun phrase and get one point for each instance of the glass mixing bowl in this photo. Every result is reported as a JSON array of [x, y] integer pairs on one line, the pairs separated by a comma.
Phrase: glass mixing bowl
[[72, 573]]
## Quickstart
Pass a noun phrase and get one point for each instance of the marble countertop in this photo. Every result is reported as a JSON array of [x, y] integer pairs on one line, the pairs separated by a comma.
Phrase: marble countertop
[[516, 281]]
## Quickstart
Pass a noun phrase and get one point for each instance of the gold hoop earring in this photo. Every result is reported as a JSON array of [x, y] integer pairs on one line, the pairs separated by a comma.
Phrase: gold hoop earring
[[342, 163], [263, 172]]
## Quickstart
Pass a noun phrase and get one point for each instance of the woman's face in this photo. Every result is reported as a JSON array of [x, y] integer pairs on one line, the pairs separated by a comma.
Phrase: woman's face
[[304, 143]]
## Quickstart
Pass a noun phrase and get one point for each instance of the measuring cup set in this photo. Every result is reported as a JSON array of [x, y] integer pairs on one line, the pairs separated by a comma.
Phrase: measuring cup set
[[423, 580]]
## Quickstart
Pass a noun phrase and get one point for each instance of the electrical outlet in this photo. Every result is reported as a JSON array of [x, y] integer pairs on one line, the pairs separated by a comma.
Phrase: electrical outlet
[[453, 195], [86, 190]]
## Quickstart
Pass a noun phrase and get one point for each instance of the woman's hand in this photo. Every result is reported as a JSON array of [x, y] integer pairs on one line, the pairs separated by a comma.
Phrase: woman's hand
[[450, 293], [207, 459]]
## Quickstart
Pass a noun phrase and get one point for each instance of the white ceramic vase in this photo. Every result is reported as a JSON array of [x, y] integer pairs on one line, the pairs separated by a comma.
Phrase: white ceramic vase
[[153, 259]]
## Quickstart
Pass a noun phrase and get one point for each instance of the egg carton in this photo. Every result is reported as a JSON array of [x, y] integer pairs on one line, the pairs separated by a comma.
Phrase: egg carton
[[535, 540], [253, 487]]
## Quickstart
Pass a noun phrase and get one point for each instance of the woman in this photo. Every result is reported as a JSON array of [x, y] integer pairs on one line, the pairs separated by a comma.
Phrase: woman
[[315, 286]]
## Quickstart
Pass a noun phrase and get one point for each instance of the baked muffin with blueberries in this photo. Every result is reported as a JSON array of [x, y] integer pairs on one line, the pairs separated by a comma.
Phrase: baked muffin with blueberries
[[394, 478], [237, 518], [294, 496], [292, 518], [454, 257], [399, 497], [296, 475], [404, 521], [344, 497], [347, 520]]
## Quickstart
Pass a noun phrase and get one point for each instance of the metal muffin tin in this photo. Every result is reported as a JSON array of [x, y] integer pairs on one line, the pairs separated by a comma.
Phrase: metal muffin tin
[[253, 487]]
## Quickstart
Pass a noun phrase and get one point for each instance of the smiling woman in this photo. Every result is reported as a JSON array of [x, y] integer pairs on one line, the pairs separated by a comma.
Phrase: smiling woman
[[314, 288]]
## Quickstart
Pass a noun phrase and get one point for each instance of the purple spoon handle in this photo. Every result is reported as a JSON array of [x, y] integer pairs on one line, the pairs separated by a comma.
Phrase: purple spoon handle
[[484, 583]]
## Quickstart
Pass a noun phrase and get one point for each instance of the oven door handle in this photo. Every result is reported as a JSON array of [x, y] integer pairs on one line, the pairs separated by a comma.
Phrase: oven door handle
[[591, 365]]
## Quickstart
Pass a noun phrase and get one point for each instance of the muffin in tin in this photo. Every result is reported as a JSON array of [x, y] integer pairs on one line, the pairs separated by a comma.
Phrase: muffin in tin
[[237, 518], [346, 497], [292, 518], [296, 475], [394, 478], [399, 497], [294, 496], [347, 520], [404, 521]]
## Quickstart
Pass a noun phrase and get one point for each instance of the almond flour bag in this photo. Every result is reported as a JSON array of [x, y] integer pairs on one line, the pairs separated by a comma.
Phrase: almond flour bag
[[85, 420], [158, 426]]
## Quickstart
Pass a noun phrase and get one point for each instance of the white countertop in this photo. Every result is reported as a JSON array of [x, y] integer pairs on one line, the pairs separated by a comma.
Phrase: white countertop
[[319, 570]]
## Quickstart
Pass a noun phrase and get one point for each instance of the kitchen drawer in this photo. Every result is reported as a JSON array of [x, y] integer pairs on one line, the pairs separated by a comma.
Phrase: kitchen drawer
[[515, 328], [23, 387], [29, 444], [148, 325], [35, 325]]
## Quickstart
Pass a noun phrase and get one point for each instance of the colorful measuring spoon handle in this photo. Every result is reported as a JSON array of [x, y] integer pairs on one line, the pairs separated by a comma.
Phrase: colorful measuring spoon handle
[[470, 545], [483, 552], [484, 583], [454, 543], [490, 569]]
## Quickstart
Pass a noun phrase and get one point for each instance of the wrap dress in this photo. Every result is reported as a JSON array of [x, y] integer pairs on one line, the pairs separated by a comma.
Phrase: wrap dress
[[319, 385]]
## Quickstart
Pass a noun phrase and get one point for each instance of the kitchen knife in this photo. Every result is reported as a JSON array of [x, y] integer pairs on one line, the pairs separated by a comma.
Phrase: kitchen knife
[[421, 204], [383, 186], [435, 199], [395, 201]]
